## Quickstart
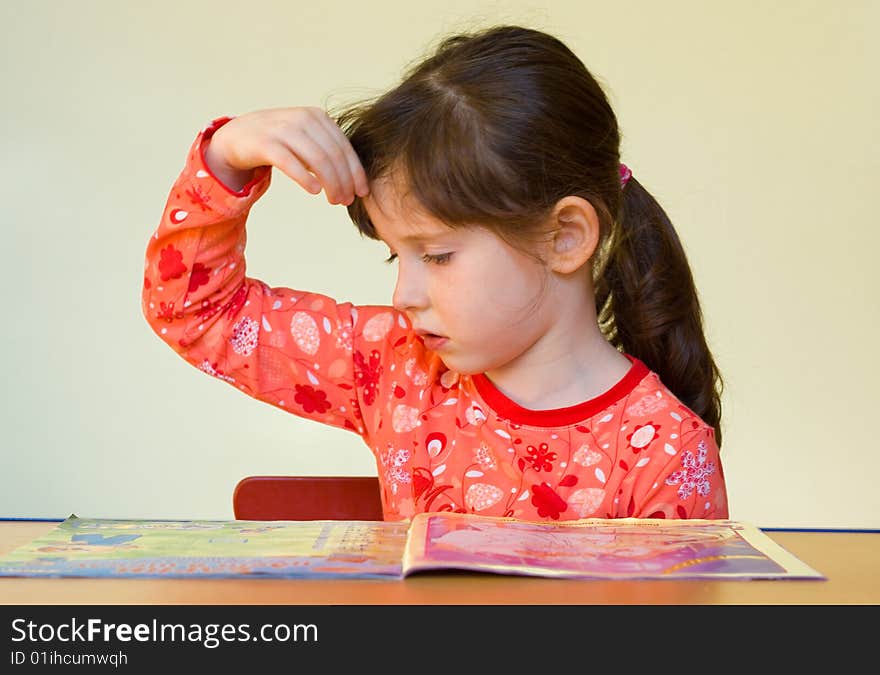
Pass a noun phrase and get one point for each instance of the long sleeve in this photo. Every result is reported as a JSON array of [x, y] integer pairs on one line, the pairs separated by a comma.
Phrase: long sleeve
[[292, 349]]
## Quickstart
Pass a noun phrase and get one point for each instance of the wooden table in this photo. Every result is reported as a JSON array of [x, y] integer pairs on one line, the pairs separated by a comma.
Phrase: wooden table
[[850, 560]]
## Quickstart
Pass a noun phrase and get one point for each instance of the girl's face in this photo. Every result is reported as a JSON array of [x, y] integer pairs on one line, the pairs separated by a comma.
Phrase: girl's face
[[466, 285]]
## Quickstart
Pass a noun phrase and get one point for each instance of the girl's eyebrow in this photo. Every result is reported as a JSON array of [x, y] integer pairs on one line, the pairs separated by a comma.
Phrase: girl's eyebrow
[[419, 237], [423, 237]]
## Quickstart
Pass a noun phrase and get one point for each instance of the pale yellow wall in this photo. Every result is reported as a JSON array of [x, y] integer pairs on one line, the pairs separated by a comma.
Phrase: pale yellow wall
[[754, 123]]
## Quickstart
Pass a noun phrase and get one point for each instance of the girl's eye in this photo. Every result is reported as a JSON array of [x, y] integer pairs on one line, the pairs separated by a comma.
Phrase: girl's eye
[[440, 259]]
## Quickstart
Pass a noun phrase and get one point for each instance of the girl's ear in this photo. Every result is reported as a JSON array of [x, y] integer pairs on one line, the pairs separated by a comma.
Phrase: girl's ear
[[575, 229]]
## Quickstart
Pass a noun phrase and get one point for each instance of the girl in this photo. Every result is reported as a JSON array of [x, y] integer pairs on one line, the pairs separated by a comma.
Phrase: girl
[[544, 355]]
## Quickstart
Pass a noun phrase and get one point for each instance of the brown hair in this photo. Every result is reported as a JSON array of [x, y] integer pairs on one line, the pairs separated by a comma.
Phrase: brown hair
[[495, 127]]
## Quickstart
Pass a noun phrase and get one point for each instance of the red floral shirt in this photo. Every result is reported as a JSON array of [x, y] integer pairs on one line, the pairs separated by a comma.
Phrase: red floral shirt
[[442, 441]]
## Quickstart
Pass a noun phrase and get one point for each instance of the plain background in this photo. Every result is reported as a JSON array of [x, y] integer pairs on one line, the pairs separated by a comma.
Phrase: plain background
[[754, 123]]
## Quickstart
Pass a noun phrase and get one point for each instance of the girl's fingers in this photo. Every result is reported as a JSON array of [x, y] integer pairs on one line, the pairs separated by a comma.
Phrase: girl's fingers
[[288, 163], [338, 150], [359, 184], [315, 155]]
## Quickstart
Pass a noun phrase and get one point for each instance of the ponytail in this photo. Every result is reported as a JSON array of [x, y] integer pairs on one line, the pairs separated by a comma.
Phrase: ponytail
[[647, 304]]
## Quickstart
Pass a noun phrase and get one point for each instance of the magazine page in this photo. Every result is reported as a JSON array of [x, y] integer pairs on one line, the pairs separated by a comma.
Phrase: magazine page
[[89, 547], [623, 548]]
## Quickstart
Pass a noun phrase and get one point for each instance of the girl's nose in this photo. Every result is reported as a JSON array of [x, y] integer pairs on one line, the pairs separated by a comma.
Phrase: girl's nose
[[409, 291]]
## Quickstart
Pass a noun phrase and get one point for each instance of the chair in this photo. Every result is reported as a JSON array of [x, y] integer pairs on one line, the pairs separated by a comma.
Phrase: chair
[[307, 498]]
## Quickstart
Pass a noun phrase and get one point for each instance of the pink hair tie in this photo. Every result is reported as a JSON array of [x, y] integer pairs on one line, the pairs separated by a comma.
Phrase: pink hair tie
[[625, 175]]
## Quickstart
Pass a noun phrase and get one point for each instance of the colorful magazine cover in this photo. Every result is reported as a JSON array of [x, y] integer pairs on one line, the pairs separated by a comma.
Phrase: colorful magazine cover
[[623, 548], [91, 547], [628, 548]]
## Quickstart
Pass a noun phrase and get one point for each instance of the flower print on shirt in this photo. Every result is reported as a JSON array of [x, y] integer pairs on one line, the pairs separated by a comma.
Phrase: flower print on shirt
[[547, 501], [211, 369], [586, 501], [643, 435], [232, 307], [199, 277], [394, 463], [540, 458], [694, 475], [305, 333], [343, 336], [166, 312], [245, 334], [377, 328], [171, 264], [586, 456], [436, 443], [482, 496], [415, 374], [311, 400], [485, 457], [207, 310], [647, 405], [366, 374], [198, 197], [404, 418], [475, 415]]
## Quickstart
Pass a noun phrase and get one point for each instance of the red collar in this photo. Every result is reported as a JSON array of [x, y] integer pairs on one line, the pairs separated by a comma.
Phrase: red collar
[[556, 417]]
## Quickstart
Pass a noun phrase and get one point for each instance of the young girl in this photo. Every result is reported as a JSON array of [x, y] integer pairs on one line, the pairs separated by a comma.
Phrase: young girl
[[543, 356]]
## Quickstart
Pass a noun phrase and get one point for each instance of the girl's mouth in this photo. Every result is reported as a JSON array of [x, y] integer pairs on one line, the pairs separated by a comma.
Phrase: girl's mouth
[[434, 342]]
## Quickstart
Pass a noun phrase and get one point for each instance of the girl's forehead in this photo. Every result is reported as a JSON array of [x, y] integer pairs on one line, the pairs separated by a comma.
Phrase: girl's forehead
[[395, 213]]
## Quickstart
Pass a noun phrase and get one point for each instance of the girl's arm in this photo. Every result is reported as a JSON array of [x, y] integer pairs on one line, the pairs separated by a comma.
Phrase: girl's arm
[[292, 349]]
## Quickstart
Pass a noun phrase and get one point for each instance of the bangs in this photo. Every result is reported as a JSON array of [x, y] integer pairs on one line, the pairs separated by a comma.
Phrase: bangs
[[444, 159]]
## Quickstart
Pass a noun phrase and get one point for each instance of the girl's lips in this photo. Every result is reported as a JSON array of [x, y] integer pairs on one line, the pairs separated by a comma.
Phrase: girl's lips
[[434, 342]]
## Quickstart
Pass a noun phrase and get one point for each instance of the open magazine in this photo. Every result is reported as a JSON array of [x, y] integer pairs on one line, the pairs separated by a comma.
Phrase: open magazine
[[628, 548]]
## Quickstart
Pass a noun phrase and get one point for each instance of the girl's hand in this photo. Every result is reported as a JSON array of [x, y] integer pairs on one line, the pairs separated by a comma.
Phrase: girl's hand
[[303, 142]]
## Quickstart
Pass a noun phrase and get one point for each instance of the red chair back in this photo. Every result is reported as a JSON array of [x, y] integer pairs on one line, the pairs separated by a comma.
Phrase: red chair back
[[307, 498]]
